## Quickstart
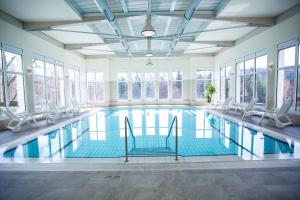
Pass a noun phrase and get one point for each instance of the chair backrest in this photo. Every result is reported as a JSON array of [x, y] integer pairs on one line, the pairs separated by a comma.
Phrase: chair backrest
[[52, 107], [285, 107], [74, 103], [9, 114], [251, 104], [227, 101]]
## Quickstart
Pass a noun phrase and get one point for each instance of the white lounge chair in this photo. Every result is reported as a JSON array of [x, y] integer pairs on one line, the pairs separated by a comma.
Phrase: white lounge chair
[[76, 107], [225, 105], [54, 113], [16, 123], [275, 114], [245, 108]]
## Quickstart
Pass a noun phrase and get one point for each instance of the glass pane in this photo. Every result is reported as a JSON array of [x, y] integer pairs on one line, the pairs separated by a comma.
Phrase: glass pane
[[150, 89], [208, 74], [200, 89], [163, 90], [227, 87], [163, 76], [249, 88], [149, 76], [51, 90], [176, 76], [227, 71], [77, 85], [249, 66], [122, 76], [71, 74], [240, 68], [123, 90], [136, 77], [136, 90], [261, 79], [200, 74], [13, 62], [298, 91], [91, 91], [59, 72], [99, 76], [2, 102], [177, 90], [50, 70], [39, 93], [99, 91], [241, 89], [0, 59], [286, 57], [285, 85], [15, 92], [90, 76], [38, 67], [60, 89]]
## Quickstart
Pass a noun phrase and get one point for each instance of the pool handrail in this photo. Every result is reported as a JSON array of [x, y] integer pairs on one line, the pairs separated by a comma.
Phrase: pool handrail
[[176, 135], [126, 139]]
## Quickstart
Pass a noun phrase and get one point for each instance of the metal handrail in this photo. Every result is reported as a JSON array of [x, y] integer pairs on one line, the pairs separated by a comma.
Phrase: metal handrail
[[176, 135], [126, 139]]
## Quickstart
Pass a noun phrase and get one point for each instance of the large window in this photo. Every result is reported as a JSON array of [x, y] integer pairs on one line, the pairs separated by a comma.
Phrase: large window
[[48, 84], [163, 85], [95, 86], [122, 86], [177, 85], [136, 86], [225, 82], [149, 85], [74, 84], [251, 80], [286, 71], [298, 85], [203, 79], [12, 82]]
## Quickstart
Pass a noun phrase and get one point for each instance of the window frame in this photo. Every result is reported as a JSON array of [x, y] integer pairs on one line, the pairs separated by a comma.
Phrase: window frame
[[95, 84], [141, 82], [5, 72], [282, 46], [118, 94], [174, 81], [204, 82], [153, 81], [168, 85]]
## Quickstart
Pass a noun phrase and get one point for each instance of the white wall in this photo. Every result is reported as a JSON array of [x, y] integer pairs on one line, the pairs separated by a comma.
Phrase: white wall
[[30, 43]]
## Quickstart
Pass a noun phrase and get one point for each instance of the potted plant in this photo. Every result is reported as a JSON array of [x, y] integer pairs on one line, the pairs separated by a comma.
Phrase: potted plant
[[210, 91]]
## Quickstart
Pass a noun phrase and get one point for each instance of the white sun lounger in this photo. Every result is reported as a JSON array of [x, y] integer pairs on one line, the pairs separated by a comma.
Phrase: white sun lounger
[[275, 114], [244, 108], [225, 105], [16, 123], [54, 113]]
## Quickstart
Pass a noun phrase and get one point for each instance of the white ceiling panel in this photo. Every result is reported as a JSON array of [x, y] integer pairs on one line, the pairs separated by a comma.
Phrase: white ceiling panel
[[256, 8], [225, 35], [39, 10]]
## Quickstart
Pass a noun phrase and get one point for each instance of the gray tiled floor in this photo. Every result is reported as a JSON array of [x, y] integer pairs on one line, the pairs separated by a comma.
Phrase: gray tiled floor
[[275, 183]]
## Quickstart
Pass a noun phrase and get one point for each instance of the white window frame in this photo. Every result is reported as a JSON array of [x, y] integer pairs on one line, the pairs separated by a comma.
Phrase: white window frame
[[158, 81], [141, 82], [94, 82], [174, 81], [118, 95], [17, 51], [204, 80], [154, 85]]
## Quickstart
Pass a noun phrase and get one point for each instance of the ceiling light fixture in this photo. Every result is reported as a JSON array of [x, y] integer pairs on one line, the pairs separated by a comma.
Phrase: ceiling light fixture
[[148, 30]]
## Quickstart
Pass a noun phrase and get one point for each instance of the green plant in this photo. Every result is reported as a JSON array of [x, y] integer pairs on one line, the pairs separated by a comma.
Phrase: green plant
[[210, 91]]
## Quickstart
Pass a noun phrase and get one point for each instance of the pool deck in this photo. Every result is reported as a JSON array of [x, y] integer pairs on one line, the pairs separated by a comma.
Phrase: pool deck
[[223, 184]]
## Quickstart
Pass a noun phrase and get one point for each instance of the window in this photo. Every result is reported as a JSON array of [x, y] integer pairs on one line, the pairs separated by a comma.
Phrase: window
[[95, 86], [251, 80], [203, 79], [286, 74], [48, 84], [12, 82], [225, 82], [74, 84], [177, 85], [60, 86], [261, 79], [149, 85], [136, 86], [122, 86], [39, 90], [163, 85]]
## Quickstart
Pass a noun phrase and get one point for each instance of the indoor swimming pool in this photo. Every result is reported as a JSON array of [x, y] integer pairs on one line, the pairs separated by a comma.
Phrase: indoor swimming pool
[[200, 133]]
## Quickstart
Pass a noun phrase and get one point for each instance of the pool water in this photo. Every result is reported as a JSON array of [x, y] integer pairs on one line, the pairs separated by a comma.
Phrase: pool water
[[200, 133]]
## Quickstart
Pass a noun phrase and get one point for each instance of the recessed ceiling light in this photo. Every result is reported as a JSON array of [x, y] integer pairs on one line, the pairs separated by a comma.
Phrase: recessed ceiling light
[[148, 30]]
